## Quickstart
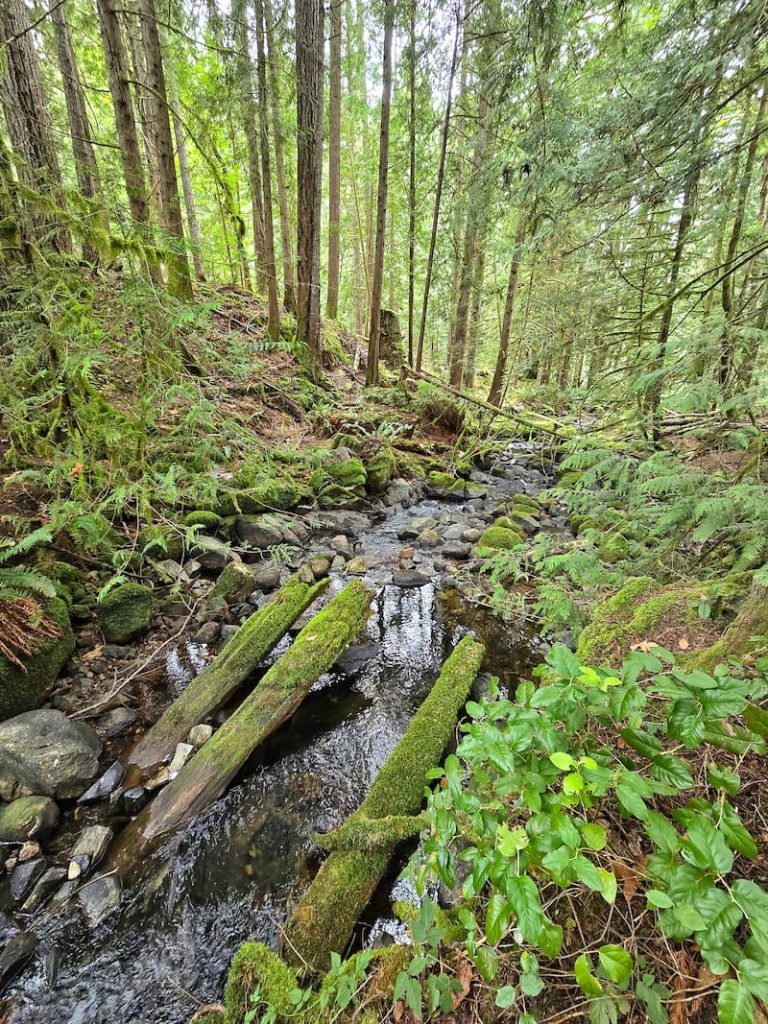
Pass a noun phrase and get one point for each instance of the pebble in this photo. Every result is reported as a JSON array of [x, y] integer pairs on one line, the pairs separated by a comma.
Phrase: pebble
[[319, 565], [409, 578], [116, 720], [181, 755], [267, 577], [28, 852], [24, 876], [99, 898], [134, 799], [357, 566], [228, 631], [199, 734], [102, 787], [207, 634]]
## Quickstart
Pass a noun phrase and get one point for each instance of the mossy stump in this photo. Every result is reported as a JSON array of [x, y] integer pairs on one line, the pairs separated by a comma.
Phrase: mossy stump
[[23, 689], [324, 919]]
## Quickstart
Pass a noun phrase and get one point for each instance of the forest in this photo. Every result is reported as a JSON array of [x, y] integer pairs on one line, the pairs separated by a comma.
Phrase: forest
[[383, 511]]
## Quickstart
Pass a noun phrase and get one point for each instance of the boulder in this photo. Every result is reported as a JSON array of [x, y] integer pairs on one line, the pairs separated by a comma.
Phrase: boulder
[[341, 521], [357, 566], [429, 539], [22, 689], [267, 577], [500, 538], [235, 585], [210, 553], [379, 470], [443, 485], [260, 531], [60, 755], [125, 612], [28, 817], [407, 578], [339, 478]]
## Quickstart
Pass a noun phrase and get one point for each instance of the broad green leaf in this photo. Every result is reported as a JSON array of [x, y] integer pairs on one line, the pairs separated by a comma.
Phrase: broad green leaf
[[754, 975], [526, 903], [616, 963], [497, 918], [551, 939], [506, 996], [754, 902], [562, 761], [735, 1005], [721, 778], [706, 847], [587, 982], [510, 841], [593, 835], [657, 898], [564, 661]]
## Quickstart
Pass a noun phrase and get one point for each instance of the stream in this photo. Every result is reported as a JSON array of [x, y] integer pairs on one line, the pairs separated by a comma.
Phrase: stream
[[233, 871]]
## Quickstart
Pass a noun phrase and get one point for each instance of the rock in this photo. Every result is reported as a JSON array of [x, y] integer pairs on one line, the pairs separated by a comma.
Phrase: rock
[[61, 755], [22, 689], [398, 493], [305, 574], [43, 888], [341, 521], [29, 851], [500, 538], [118, 652], [199, 734], [319, 565], [234, 585], [429, 539], [24, 876], [170, 571], [415, 526], [16, 952], [454, 532], [90, 847], [267, 577], [193, 568], [471, 536], [443, 485], [65, 892], [405, 558], [228, 630], [107, 784], [379, 470], [99, 898], [159, 540], [354, 659], [357, 566], [207, 634], [116, 720], [29, 817], [210, 552], [339, 478], [260, 531], [409, 578], [125, 612], [208, 520], [338, 563], [340, 544], [134, 799], [457, 550], [180, 757]]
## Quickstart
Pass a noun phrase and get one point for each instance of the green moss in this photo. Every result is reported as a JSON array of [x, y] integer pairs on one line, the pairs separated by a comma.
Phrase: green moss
[[500, 538], [444, 485], [569, 479], [526, 501], [325, 917], [29, 817], [125, 612], [614, 549], [235, 584], [380, 468], [358, 833], [23, 689], [504, 523], [209, 521], [256, 965], [276, 494], [745, 634], [409, 914], [338, 478]]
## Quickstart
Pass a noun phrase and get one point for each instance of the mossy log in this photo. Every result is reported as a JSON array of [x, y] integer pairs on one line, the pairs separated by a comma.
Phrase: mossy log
[[324, 919], [216, 683], [278, 694], [747, 632], [358, 833]]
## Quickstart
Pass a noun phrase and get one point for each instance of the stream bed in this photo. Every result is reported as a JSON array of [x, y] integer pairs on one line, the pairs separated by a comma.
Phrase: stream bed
[[233, 872]]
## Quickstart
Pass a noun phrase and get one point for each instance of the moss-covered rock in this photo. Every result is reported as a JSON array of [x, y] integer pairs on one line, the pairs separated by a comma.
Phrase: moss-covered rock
[[29, 817], [23, 689], [125, 612], [526, 501], [339, 478], [256, 966], [443, 485], [379, 470], [500, 538], [235, 584], [744, 635], [275, 494], [161, 541], [210, 521]]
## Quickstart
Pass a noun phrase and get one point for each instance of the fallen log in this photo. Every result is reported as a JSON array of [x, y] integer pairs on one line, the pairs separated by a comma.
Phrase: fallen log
[[359, 833], [325, 917], [215, 685], [278, 694]]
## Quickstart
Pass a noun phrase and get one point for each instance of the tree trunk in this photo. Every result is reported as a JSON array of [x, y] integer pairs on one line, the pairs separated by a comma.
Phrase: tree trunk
[[309, 115], [334, 163], [125, 124], [245, 74], [273, 324], [473, 337], [289, 287], [372, 369], [96, 239], [179, 279], [29, 125], [411, 174], [500, 371], [438, 197]]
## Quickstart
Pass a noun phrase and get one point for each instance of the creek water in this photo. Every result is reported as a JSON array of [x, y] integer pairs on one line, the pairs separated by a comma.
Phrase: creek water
[[233, 872]]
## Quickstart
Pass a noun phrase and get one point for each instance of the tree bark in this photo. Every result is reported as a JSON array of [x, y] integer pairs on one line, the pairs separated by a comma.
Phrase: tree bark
[[411, 174], [289, 286], [334, 163], [29, 125], [438, 197], [473, 337], [372, 369], [500, 371], [179, 279], [273, 324], [96, 239], [309, 115]]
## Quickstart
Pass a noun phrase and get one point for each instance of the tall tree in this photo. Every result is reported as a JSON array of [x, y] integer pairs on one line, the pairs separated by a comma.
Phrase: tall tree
[[273, 324], [372, 369], [334, 163], [179, 279], [309, 117], [500, 370], [411, 172]]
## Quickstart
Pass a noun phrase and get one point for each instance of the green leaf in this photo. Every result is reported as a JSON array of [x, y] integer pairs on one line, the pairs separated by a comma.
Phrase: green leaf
[[526, 903], [506, 996], [689, 917], [735, 1004], [564, 661], [616, 963], [587, 982], [662, 832], [706, 847], [755, 976], [658, 899], [486, 960], [497, 918], [551, 939], [593, 835], [754, 902], [562, 761], [587, 873], [721, 778], [610, 885], [756, 720], [510, 841]]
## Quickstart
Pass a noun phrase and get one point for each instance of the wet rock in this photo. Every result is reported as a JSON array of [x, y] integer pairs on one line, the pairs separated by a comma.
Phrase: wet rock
[[207, 634], [305, 574], [319, 565], [180, 757], [62, 755], [357, 566], [24, 688], [338, 563], [429, 539], [116, 720], [415, 526], [454, 532], [457, 550], [354, 659], [476, 505], [340, 544], [405, 558], [158, 779], [29, 851], [24, 877], [29, 817], [65, 892], [7, 926], [443, 485], [193, 568], [398, 493], [107, 784], [15, 953], [199, 734], [118, 652], [260, 531], [125, 612], [228, 631], [341, 521], [43, 888], [471, 535], [266, 577], [89, 849], [170, 571], [409, 578], [210, 552], [99, 898], [134, 799], [481, 688]]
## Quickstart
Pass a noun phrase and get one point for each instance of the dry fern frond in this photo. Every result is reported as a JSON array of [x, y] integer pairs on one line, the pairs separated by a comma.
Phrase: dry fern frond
[[23, 628]]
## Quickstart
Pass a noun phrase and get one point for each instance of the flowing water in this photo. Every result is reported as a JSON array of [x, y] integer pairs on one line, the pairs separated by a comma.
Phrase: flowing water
[[233, 872]]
